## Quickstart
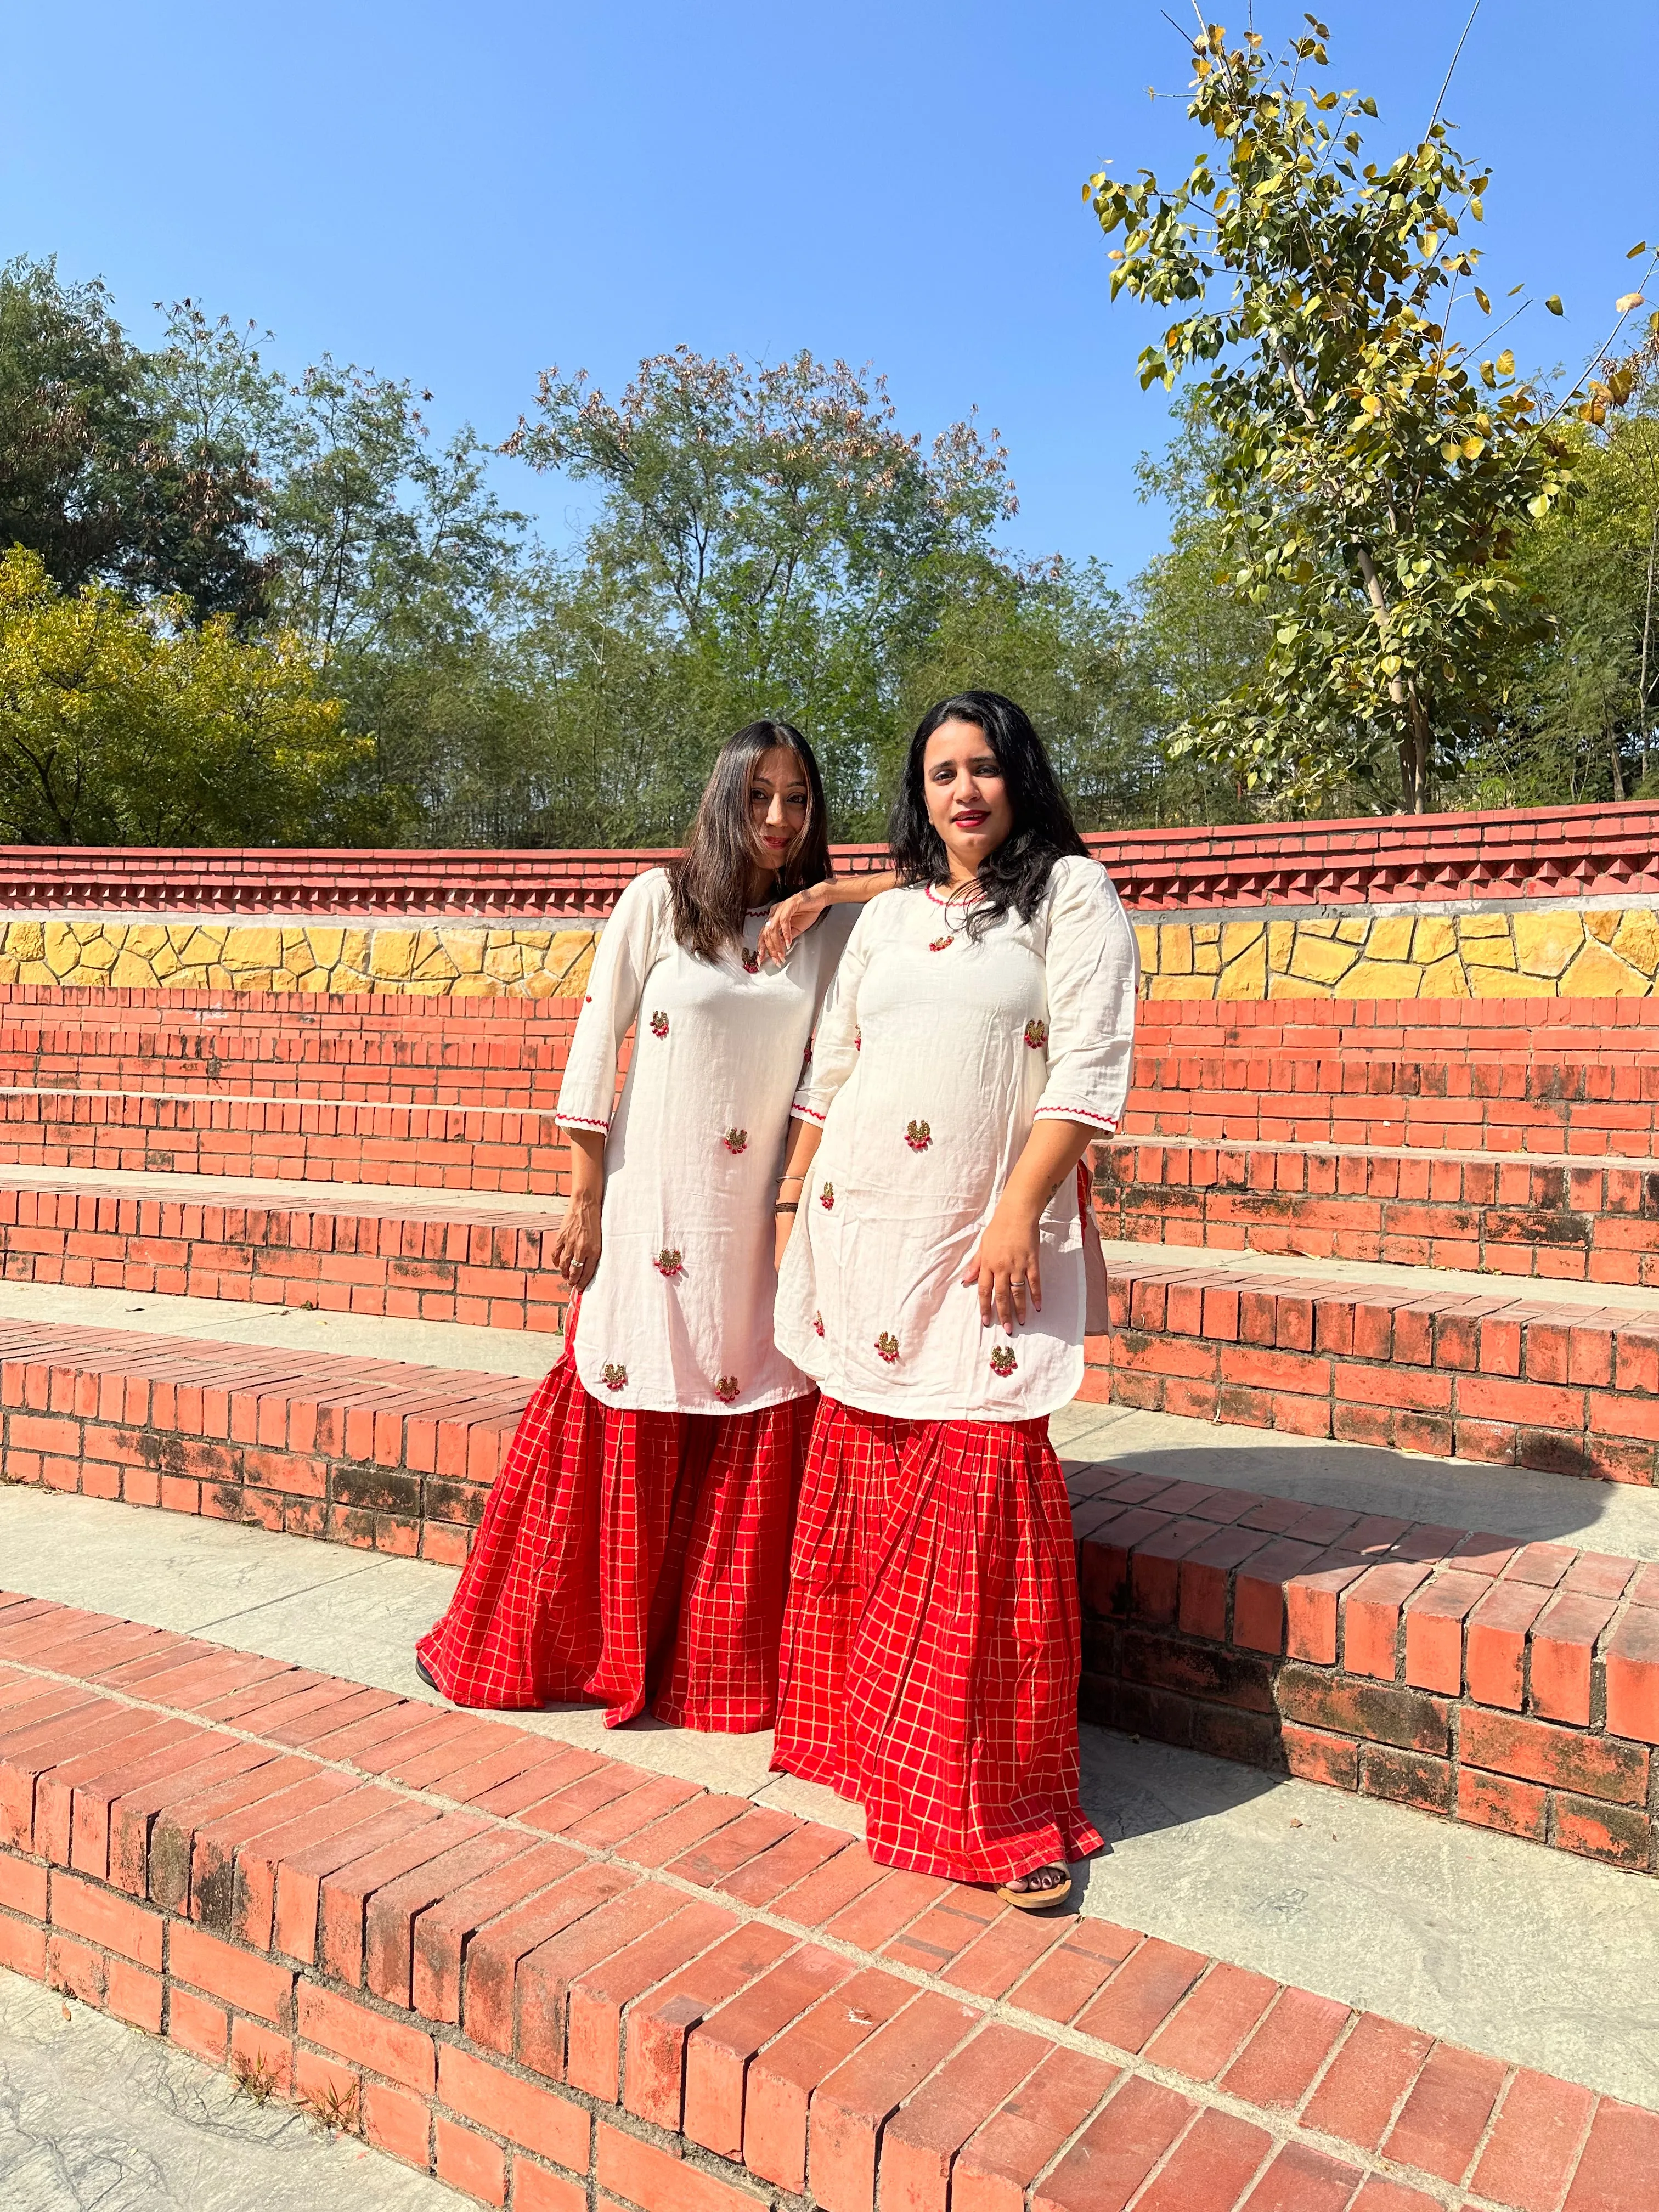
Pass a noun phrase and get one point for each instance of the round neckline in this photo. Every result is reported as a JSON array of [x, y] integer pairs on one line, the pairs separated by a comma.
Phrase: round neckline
[[956, 897]]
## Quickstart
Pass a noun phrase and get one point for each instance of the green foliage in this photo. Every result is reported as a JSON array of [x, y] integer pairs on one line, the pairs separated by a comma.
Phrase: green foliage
[[1371, 479], [126, 725], [100, 473], [1581, 703]]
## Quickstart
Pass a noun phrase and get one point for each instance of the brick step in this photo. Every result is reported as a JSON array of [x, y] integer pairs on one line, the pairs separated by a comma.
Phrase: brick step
[[1558, 1219], [1455, 1369], [1534, 1106], [443, 1148], [1512, 1686], [379, 1454], [535, 1972], [333, 1249], [1577, 1029], [420, 1063]]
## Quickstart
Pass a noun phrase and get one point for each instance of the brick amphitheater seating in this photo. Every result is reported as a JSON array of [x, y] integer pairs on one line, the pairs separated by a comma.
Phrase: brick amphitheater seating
[[1198, 1615], [537, 1971]]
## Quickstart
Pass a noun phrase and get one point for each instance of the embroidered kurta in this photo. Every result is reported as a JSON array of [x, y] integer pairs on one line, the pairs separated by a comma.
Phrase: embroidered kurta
[[934, 1056], [678, 1316]]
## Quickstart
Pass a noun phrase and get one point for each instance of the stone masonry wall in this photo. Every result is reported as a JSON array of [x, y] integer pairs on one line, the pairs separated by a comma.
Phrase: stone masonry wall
[[1482, 951]]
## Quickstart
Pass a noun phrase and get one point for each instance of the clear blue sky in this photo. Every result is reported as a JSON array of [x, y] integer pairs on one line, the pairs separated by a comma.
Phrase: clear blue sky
[[465, 194]]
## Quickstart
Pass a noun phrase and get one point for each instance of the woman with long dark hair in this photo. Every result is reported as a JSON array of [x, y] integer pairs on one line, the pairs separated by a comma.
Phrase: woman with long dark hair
[[634, 1549], [977, 1039]]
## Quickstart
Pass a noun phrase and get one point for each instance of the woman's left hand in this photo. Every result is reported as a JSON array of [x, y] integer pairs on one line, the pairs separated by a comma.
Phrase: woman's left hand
[[792, 918], [1007, 1267]]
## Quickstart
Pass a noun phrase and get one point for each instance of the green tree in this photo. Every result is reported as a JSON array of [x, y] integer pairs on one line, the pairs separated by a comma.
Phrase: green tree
[[1373, 480], [785, 545], [1579, 705], [121, 725], [98, 473]]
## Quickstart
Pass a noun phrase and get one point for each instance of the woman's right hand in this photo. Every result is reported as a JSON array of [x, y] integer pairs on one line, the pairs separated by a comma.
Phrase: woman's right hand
[[576, 1247], [792, 918]]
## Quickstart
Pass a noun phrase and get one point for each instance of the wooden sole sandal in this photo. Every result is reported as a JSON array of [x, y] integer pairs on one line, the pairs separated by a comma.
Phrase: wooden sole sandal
[[1038, 1900]]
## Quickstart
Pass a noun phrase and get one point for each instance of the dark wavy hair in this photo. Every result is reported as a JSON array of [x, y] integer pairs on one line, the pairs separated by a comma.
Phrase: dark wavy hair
[[1016, 874], [711, 876]]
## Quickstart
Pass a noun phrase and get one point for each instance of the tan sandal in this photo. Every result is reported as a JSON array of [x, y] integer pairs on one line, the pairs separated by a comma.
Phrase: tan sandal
[[1038, 1900]]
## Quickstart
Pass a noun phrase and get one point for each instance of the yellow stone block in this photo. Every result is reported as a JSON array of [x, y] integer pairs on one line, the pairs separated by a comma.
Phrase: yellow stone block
[[62, 951], [1507, 983], [1237, 936], [1320, 959], [1636, 940], [1488, 953], [145, 938], [537, 939], [327, 945], [298, 957], [574, 980], [353, 952], [1381, 978], [1598, 974], [1444, 979], [202, 946], [164, 961], [1206, 959], [35, 971], [251, 946], [1281, 938], [465, 947], [314, 979], [1433, 939], [474, 987], [1353, 929], [26, 940], [505, 962], [253, 979], [1175, 949], [541, 985], [1145, 940], [130, 973], [1545, 943], [349, 980], [437, 968], [1182, 987], [86, 932], [391, 953], [8, 968], [1246, 977], [1482, 925], [1315, 926], [1604, 923], [1390, 937], [1297, 987], [1207, 932], [431, 986], [571, 953]]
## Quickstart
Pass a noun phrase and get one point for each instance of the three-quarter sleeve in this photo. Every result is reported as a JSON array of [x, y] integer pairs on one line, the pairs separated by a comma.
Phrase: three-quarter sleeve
[[833, 1053], [629, 945], [1093, 972]]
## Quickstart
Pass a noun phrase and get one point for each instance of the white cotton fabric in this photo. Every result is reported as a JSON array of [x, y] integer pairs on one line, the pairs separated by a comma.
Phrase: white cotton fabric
[[934, 1056], [678, 1318]]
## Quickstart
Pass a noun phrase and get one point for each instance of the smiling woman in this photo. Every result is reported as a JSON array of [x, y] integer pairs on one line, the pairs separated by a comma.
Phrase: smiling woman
[[635, 1546], [976, 1038]]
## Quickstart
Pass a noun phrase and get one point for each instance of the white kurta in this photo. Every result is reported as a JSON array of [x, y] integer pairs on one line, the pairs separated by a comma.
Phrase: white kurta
[[934, 1056], [678, 1318]]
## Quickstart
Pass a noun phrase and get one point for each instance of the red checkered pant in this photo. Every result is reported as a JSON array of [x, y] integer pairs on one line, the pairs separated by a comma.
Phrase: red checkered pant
[[932, 1643], [627, 1559]]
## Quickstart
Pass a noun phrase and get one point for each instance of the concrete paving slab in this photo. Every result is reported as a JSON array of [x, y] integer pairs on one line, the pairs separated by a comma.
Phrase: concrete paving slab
[[93, 2114], [1526, 1954], [277, 1191], [1411, 1282], [285, 1329], [1512, 1501]]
